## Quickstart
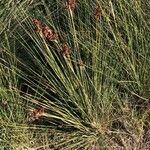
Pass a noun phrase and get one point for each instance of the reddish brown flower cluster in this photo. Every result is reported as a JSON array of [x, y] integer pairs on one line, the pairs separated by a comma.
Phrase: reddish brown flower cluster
[[37, 24], [50, 35], [66, 50], [71, 4], [35, 114], [47, 33], [97, 13]]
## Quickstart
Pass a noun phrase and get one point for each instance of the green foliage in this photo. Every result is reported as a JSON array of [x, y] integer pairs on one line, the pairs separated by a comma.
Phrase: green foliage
[[97, 95]]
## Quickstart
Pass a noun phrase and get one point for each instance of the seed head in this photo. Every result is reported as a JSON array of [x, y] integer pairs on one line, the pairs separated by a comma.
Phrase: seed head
[[66, 50], [49, 34], [71, 4], [97, 13], [35, 114], [46, 32], [37, 24]]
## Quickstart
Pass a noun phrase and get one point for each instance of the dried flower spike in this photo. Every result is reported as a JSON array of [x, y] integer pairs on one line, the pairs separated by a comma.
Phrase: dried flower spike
[[97, 13], [35, 114], [53, 37], [71, 4], [46, 32], [49, 34], [37, 24], [66, 50]]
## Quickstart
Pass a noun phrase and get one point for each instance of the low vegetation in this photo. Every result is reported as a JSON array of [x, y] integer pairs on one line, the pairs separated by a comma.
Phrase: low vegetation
[[74, 75]]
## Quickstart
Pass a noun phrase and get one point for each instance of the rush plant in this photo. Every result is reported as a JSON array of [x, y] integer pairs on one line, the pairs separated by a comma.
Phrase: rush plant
[[81, 69]]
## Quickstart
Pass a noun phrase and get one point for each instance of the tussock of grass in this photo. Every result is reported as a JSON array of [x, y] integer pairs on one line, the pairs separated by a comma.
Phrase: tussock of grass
[[81, 72]]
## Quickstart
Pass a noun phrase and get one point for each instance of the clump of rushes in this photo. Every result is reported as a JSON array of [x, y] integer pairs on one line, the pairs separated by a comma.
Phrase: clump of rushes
[[92, 81], [46, 32], [97, 12], [71, 4]]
